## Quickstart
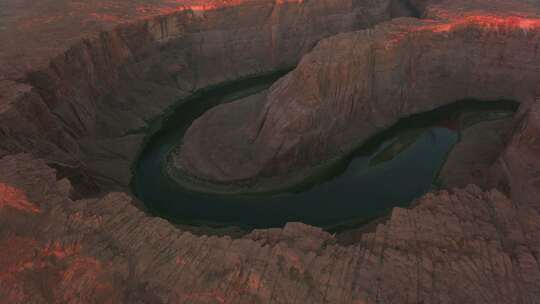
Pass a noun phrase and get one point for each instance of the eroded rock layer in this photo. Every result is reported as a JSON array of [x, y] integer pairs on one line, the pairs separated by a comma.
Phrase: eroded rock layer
[[85, 108], [354, 85], [90, 105], [462, 246], [518, 167]]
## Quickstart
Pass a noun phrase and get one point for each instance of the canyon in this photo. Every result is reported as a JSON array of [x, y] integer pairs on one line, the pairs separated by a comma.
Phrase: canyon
[[83, 85], [163, 58], [352, 86]]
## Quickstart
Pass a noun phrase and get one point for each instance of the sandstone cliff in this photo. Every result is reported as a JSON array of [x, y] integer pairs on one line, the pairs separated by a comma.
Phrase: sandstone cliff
[[462, 246], [518, 167], [353, 85], [93, 101], [85, 108]]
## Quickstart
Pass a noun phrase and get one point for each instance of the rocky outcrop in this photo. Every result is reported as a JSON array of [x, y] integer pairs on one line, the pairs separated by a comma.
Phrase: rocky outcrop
[[95, 99], [90, 108], [470, 161], [463, 246], [518, 167], [501, 154], [449, 9], [352, 86]]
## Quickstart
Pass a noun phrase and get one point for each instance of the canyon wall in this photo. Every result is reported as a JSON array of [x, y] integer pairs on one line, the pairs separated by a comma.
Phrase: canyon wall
[[93, 103], [462, 246], [354, 85], [518, 167], [87, 108]]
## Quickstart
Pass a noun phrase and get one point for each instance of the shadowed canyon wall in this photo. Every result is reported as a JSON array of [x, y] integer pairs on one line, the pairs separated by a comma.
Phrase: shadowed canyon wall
[[463, 246], [90, 108], [354, 85]]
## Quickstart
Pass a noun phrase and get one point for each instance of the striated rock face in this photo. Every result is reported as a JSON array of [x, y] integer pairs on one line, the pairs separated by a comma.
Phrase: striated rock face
[[471, 159], [93, 100], [448, 9], [89, 107], [463, 246], [353, 85], [520, 162]]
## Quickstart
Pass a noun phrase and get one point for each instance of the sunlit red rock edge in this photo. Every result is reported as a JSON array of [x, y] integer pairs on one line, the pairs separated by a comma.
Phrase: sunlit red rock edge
[[464, 246]]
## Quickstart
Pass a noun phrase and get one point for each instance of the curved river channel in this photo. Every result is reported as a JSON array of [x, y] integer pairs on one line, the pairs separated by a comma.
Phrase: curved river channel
[[390, 170]]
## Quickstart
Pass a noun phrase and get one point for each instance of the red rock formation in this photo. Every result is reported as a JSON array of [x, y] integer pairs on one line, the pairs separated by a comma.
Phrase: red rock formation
[[478, 149], [353, 85], [131, 73], [462, 246], [520, 162], [459, 246], [14, 198]]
